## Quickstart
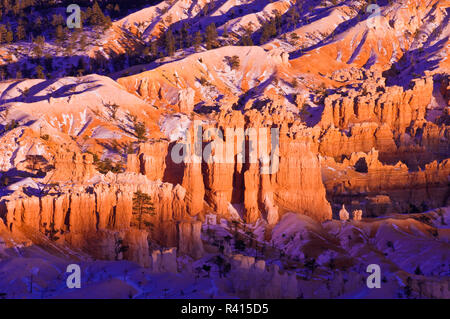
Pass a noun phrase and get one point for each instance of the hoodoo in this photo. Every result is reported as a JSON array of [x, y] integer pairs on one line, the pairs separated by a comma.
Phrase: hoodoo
[[225, 149]]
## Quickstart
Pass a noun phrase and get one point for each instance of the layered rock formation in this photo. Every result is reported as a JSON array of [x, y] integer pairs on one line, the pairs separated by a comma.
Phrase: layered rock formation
[[445, 89], [337, 113], [272, 180], [98, 218], [149, 160], [74, 167], [365, 175], [374, 102], [253, 279]]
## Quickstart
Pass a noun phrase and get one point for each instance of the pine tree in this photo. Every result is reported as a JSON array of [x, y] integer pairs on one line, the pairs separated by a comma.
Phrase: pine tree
[[38, 24], [81, 67], [16, 8], [197, 40], [9, 36], [96, 16], [170, 42], [142, 207], [139, 129], [154, 49], [83, 40], [48, 62], [293, 17], [39, 42], [40, 72], [184, 31], [145, 52], [269, 30], [247, 40], [20, 32], [234, 62], [211, 36], [107, 22], [2, 33], [57, 19], [59, 33], [278, 20], [225, 31]]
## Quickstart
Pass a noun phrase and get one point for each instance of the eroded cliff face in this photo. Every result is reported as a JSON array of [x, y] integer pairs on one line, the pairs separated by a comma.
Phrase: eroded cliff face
[[73, 166], [383, 188], [389, 118], [338, 114], [100, 219], [95, 215], [376, 102], [287, 179]]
